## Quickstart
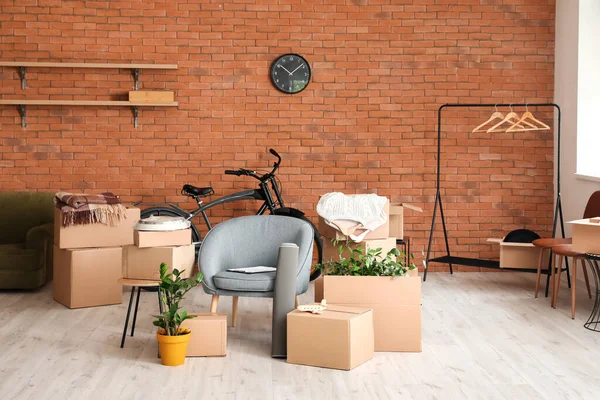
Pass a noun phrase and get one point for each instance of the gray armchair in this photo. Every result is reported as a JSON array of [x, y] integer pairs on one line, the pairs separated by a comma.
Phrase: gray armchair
[[248, 242]]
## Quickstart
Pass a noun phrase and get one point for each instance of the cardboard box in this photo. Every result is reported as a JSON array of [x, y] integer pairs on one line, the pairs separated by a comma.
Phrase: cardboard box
[[586, 236], [209, 335], [396, 305], [341, 337], [397, 218], [520, 255], [330, 252], [95, 235], [380, 233], [144, 263], [87, 277], [182, 237], [151, 96]]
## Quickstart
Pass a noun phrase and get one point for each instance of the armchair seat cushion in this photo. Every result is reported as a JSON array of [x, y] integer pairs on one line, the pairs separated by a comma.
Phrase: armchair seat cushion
[[16, 256], [239, 282]]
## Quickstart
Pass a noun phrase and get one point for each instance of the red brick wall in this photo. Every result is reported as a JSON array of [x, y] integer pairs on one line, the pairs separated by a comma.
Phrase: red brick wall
[[366, 122]]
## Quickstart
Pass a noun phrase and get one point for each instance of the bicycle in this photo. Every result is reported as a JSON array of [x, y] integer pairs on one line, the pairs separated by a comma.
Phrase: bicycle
[[268, 191]]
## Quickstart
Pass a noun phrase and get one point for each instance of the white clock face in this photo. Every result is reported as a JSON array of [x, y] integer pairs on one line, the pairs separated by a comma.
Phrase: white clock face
[[290, 73]]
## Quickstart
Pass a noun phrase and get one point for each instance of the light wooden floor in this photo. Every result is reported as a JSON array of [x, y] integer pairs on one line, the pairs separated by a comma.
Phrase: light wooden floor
[[484, 337]]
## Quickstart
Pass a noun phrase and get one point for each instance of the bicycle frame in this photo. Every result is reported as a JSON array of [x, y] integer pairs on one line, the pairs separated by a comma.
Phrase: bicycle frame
[[262, 193]]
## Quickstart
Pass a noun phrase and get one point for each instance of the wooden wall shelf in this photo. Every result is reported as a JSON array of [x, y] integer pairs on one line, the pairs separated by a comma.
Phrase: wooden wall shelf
[[135, 68], [86, 103], [84, 65], [22, 106], [135, 71]]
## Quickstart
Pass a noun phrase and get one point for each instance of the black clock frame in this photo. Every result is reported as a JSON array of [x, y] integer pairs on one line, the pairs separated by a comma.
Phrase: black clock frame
[[271, 69]]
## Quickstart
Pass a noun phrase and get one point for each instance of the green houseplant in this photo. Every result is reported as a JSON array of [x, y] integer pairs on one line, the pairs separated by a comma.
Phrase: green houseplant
[[366, 263], [172, 339]]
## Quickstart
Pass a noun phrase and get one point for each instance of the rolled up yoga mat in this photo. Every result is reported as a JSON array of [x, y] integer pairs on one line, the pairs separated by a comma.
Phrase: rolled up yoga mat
[[284, 297]]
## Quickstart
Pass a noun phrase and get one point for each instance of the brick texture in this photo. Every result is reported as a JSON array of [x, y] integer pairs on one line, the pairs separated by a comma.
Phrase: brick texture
[[366, 123]]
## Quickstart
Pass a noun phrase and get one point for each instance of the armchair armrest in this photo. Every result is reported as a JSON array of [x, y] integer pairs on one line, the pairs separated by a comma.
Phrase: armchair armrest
[[41, 238], [37, 236], [213, 257]]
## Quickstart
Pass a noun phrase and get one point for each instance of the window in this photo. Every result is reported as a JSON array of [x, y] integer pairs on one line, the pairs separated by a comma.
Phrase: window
[[588, 91]]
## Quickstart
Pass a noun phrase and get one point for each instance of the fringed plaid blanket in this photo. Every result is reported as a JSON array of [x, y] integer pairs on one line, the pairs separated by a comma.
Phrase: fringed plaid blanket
[[82, 209]]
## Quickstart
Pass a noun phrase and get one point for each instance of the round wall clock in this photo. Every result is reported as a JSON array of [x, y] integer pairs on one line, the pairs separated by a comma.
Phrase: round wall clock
[[290, 73]]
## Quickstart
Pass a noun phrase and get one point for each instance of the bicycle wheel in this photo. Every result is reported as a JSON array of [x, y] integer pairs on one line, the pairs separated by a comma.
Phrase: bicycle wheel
[[318, 244], [170, 212]]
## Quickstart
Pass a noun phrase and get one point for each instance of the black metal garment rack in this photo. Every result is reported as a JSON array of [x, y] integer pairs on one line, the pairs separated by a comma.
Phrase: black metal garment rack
[[476, 262]]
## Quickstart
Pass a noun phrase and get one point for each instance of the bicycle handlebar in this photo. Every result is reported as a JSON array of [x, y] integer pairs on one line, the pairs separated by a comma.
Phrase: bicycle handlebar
[[247, 172]]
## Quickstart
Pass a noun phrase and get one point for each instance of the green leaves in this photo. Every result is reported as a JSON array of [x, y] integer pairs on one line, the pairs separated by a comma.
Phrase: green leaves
[[369, 263], [173, 289]]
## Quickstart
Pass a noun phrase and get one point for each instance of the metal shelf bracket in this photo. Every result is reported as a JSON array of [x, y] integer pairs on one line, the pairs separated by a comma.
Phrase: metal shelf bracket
[[136, 77], [134, 109], [23, 73], [23, 113]]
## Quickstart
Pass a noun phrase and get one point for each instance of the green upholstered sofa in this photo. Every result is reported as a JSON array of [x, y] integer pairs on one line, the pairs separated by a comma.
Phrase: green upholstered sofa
[[26, 239]]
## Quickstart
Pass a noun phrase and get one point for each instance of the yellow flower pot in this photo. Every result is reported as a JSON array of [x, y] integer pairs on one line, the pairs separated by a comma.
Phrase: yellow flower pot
[[173, 348]]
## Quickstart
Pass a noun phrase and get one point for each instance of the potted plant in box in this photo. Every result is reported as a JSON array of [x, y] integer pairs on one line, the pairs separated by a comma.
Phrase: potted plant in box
[[382, 282], [366, 263], [172, 339]]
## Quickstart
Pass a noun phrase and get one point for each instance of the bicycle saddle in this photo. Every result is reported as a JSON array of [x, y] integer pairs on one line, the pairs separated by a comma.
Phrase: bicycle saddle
[[192, 190]]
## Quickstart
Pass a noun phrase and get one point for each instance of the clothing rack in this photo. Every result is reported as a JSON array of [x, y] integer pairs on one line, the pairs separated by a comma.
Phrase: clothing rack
[[476, 262]]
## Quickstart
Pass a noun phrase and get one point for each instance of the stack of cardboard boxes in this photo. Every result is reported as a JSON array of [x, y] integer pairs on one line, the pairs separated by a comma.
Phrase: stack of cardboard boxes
[[151, 248], [388, 308], [175, 248], [88, 261]]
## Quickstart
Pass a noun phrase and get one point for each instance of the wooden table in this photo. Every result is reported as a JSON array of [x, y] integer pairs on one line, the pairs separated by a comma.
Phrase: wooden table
[[139, 284]]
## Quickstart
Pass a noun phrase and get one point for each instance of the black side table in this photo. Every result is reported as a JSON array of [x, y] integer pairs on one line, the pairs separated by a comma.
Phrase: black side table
[[151, 286], [405, 242], [594, 319]]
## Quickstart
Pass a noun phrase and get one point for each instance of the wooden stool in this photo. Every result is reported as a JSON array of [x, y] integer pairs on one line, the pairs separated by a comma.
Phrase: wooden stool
[[546, 244], [564, 251], [139, 284]]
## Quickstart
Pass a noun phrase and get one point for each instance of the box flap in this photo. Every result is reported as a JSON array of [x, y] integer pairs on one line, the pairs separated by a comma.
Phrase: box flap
[[514, 244], [494, 240], [411, 207], [337, 312], [210, 316], [585, 221]]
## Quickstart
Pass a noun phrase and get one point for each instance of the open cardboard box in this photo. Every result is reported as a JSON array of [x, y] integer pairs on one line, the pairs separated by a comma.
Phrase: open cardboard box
[[396, 305], [520, 255], [586, 235], [340, 337], [397, 218]]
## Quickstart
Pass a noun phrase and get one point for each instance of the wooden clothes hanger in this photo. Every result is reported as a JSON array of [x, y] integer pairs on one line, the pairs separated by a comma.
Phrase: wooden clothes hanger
[[527, 115], [495, 115], [513, 119]]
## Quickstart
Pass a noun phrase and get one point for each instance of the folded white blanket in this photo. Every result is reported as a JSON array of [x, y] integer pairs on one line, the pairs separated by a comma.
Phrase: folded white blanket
[[353, 215]]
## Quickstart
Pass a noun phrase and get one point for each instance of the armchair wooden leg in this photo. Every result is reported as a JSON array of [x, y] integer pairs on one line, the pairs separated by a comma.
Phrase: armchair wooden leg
[[234, 311], [297, 302], [214, 303]]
